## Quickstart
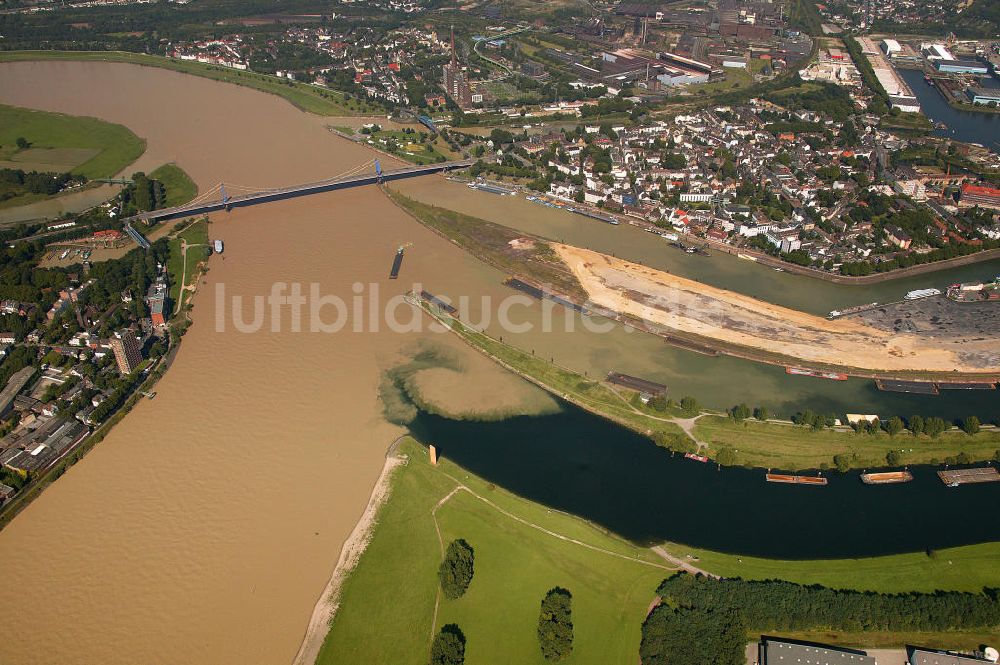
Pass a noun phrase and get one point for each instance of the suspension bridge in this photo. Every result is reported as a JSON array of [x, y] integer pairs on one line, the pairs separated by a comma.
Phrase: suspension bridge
[[226, 196]]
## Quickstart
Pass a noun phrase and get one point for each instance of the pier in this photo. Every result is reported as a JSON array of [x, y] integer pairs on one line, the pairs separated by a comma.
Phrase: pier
[[956, 477]]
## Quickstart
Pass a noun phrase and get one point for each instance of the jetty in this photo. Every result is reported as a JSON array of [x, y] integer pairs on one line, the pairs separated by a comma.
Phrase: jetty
[[956, 477]]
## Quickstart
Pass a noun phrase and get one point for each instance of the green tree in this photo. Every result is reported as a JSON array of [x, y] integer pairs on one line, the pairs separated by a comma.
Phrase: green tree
[[658, 402], [935, 426], [740, 412], [726, 456], [693, 637], [894, 425], [456, 570], [971, 425], [842, 462], [893, 458], [448, 647], [916, 425], [22, 143], [690, 405], [555, 624], [761, 413]]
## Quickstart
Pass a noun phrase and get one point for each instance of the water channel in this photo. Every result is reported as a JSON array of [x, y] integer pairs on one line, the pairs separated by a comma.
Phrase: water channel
[[579, 463]]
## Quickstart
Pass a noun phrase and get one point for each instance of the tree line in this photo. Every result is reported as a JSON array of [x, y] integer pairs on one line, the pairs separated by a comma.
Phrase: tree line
[[706, 621]]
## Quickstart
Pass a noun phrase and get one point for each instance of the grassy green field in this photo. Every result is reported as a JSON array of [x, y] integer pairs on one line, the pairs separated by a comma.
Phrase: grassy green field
[[84, 146], [523, 549], [182, 272], [968, 568], [394, 586], [409, 146], [320, 101], [774, 445], [180, 187]]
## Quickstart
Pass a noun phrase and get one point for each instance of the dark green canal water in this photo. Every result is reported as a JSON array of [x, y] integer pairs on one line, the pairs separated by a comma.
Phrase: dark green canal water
[[579, 463]]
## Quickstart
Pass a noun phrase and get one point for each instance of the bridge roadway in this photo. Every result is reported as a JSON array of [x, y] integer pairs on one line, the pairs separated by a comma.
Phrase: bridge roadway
[[293, 191]]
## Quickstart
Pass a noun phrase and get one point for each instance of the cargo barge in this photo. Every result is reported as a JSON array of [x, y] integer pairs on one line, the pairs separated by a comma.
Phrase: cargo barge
[[397, 262], [801, 371], [492, 189], [542, 294], [886, 477], [437, 302], [912, 387], [982, 474], [929, 387], [921, 293], [607, 219], [795, 480]]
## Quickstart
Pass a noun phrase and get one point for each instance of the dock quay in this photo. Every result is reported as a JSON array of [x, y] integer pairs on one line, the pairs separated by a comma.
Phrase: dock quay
[[635, 383], [914, 387], [795, 480], [956, 477], [437, 302], [886, 477]]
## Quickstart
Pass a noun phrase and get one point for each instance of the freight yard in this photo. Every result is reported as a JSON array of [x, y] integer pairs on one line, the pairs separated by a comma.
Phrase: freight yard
[[731, 319], [935, 316]]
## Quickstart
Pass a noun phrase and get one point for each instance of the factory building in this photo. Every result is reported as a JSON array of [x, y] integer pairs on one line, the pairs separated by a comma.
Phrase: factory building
[[891, 47], [961, 67], [983, 96], [777, 651]]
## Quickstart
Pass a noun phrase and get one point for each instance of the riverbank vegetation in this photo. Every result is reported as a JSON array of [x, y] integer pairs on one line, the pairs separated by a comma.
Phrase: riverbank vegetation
[[736, 441], [311, 98], [967, 568], [792, 447], [522, 551], [504, 248], [188, 249], [43, 153], [179, 187]]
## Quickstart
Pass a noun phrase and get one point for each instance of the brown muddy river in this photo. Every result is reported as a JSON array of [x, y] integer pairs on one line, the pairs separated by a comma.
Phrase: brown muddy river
[[204, 527]]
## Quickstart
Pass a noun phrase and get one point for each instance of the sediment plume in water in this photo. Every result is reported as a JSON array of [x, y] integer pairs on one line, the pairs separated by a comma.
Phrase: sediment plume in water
[[452, 383]]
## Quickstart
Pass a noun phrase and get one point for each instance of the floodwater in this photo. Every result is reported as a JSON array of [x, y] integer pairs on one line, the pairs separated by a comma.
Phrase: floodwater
[[53, 208], [204, 527]]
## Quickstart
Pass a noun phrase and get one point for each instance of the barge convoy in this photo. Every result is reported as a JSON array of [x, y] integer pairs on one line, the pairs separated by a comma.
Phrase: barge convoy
[[795, 480]]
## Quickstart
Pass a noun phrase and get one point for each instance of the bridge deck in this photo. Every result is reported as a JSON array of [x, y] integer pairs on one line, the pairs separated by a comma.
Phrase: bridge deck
[[293, 191]]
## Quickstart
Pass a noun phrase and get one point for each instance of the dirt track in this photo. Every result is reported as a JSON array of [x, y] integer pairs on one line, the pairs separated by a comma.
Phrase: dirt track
[[694, 308]]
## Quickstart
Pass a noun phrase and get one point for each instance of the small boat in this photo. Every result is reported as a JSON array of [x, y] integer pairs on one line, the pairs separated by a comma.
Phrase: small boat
[[779, 270], [696, 458], [954, 483]]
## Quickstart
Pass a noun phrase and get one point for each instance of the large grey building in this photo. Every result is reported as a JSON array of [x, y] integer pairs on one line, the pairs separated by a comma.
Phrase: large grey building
[[776, 651], [919, 656]]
